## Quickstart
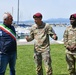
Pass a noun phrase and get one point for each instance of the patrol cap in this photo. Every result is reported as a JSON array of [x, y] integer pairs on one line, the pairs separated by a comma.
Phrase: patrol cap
[[73, 16], [37, 15]]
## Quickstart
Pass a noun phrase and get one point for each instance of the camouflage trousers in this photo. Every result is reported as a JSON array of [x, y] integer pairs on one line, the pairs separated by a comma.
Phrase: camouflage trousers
[[45, 56], [71, 62]]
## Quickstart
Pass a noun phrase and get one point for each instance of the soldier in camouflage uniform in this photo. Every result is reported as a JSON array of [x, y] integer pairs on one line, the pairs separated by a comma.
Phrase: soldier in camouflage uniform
[[70, 44], [40, 32]]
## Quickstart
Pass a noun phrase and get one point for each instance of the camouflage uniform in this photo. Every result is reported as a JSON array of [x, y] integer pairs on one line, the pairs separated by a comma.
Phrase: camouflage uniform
[[42, 47], [69, 40]]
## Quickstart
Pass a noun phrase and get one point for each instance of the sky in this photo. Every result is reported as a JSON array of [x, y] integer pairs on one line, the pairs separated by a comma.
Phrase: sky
[[48, 8]]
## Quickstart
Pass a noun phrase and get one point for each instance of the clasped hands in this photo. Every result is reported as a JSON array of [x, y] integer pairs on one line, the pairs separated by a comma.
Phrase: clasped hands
[[71, 48]]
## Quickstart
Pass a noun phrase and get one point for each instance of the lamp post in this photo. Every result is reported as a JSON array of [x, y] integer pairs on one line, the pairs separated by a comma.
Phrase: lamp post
[[12, 11], [18, 13]]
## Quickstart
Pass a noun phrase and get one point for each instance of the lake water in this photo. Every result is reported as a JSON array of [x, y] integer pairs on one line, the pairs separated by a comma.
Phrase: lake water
[[59, 31]]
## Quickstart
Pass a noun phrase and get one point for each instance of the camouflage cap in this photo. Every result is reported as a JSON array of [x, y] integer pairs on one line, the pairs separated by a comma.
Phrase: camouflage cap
[[73, 16], [37, 15]]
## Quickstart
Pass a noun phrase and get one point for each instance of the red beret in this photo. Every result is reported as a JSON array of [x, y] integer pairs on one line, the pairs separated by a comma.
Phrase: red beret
[[73, 16], [37, 15]]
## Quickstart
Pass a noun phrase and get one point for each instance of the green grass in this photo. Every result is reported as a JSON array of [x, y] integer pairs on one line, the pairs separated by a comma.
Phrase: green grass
[[25, 63]]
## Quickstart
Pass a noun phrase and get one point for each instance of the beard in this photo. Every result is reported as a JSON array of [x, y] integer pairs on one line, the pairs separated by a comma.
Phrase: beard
[[73, 24]]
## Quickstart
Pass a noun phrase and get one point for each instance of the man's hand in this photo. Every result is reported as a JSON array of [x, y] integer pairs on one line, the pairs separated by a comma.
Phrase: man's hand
[[69, 48], [27, 38], [72, 47], [55, 37]]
